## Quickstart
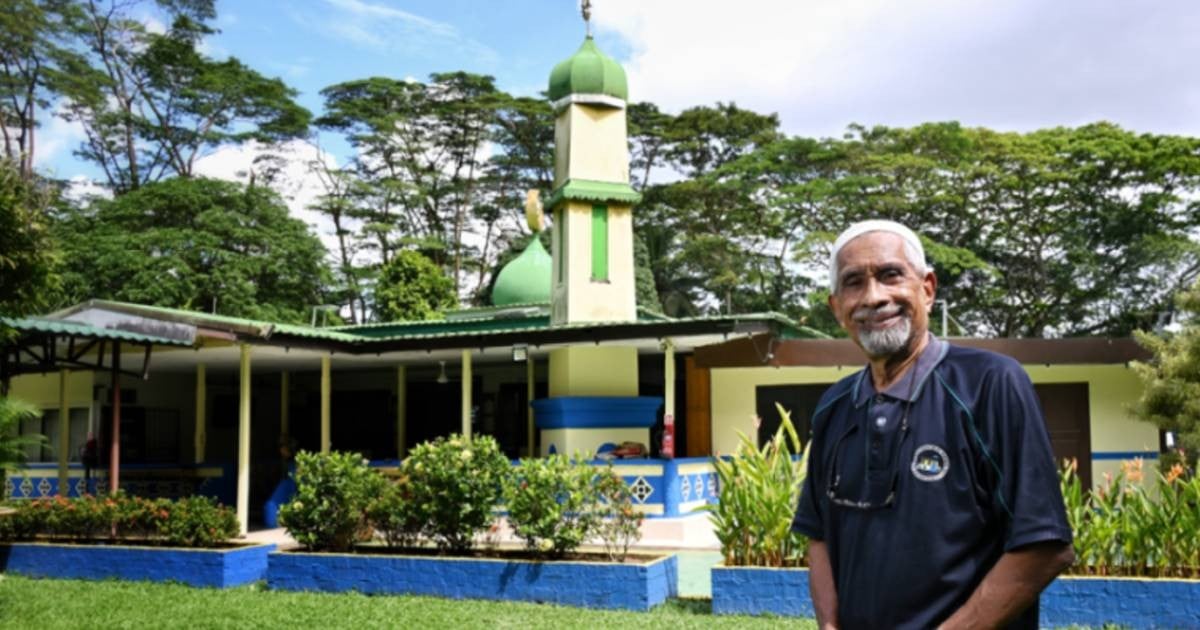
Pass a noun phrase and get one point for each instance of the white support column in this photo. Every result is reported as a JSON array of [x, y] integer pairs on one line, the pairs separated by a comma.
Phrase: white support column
[[64, 435], [243, 475], [466, 393], [326, 393], [401, 411], [530, 390], [201, 431]]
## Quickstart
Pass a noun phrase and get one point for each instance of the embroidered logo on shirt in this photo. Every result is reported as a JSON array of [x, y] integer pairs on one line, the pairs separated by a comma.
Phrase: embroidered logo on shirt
[[930, 463]]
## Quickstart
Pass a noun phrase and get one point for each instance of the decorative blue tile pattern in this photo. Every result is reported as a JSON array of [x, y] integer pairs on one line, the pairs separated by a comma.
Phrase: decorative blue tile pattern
[[591, 585], [218, 568]]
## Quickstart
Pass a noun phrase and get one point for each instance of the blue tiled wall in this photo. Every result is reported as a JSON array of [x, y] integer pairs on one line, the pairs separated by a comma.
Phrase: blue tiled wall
[[1129, 602], [757, 591], [218, 568], [592, 585]]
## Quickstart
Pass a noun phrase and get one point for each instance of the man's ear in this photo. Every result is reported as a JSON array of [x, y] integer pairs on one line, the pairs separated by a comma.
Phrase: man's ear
[[832, 301], [929, 289]]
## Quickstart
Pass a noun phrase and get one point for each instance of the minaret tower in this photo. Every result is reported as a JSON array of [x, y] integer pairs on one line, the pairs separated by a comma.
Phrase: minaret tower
[[593, 404], [591, 203]]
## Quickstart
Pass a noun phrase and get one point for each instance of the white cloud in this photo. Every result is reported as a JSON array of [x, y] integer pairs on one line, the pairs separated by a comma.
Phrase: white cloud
[[382, 28], [54, 139], [296, 181], [1021, 65]]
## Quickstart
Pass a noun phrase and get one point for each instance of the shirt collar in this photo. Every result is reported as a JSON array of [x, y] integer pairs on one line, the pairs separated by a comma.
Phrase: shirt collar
[[910, 385]]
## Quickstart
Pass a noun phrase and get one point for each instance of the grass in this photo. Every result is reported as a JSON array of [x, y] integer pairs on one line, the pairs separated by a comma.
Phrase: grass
[[77, 604]]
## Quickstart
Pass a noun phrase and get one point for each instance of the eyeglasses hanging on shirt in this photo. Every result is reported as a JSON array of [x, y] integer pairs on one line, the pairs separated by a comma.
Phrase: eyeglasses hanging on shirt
[[879, 495]]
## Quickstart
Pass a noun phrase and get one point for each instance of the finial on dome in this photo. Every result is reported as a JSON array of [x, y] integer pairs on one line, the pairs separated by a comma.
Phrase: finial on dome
[[585, 7]]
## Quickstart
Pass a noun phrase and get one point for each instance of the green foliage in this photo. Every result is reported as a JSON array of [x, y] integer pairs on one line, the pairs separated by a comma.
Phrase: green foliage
[[1171, 379], [759, 490], [618, 525], [412, 287], [333, 492], [189, 522], [13, 445], [455, 483], [195, 244], [551, 503], [394, 515], [27, 254], [1123, 528]]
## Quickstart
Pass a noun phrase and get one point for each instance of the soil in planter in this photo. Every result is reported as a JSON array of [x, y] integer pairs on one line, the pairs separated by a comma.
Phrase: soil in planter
[[492, 554]]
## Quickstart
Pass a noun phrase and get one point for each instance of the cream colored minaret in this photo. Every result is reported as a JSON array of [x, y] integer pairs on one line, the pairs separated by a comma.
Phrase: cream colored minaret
[[593, 401], [591, 203]]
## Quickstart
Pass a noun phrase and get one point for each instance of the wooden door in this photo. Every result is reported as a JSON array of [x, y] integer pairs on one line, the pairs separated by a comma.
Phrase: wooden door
[[1068, 419]]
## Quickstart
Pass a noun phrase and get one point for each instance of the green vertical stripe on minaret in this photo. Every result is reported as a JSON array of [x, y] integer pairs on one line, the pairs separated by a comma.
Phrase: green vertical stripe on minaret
[[600, 242], [560, 225]]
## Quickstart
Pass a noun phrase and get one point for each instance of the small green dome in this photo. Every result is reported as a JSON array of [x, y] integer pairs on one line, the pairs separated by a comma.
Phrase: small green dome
[[526, 279], [588, 71]]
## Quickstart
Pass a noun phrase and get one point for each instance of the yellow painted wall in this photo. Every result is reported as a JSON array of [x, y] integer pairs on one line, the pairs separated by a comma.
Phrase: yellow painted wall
[[42, 389], [580, 299], [593, 371], [1111, 388], [591, 144], [570, 441]]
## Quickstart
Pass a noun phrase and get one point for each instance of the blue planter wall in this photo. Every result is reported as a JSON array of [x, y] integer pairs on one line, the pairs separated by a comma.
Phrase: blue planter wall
[[218, 568], [1131, 602], [592, 585], [760, 590]]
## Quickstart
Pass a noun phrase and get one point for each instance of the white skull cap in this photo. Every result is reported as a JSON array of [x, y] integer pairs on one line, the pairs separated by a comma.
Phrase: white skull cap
[[875, 225]]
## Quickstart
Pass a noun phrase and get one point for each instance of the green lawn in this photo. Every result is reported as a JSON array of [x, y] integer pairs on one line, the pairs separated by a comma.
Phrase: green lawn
[[76, 604]]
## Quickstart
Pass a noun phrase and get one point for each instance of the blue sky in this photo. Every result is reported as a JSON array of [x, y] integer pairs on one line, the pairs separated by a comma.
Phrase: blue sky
[[820, 64]]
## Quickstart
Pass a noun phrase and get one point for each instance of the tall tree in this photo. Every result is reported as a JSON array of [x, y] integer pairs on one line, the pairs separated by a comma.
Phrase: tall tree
[[197, 244], [1171, 379], [412, 287], [151, 104], [28, 276], [34, 47]]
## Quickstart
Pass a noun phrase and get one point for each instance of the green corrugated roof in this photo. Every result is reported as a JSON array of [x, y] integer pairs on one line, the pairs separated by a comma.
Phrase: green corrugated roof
[[589, 190], [76, 329]]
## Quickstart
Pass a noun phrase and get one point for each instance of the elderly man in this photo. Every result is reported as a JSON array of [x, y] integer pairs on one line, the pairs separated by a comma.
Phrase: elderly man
[[932, 496]]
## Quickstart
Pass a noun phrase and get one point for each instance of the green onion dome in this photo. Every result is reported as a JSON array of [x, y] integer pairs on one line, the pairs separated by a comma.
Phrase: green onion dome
[[526, 279], [588, 71]]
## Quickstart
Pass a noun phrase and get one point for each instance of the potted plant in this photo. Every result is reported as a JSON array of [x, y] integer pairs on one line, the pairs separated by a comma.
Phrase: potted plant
[[443, 501], [763, 566]]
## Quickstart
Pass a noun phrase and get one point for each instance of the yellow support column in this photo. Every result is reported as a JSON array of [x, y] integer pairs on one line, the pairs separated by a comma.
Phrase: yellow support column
[[284, 387], [326, 393], [201, 435], [401, 410], [243, 475], [529, 420], [64, 435], [668, 378], [466, 393]]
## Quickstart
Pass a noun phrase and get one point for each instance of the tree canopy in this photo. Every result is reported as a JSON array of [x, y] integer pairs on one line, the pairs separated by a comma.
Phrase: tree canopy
[[198, 244]]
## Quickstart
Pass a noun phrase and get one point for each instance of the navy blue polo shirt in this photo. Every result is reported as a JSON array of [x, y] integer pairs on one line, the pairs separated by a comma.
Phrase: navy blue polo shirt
[[914, 519]]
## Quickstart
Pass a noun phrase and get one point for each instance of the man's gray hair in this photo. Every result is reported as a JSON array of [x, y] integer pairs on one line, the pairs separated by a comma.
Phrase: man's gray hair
[[913, 250]]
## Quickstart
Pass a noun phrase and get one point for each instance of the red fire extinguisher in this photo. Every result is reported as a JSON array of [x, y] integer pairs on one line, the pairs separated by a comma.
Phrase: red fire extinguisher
[[668, 438]]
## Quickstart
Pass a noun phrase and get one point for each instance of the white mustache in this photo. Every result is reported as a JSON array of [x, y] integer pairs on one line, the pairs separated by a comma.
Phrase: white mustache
[[866, 313]]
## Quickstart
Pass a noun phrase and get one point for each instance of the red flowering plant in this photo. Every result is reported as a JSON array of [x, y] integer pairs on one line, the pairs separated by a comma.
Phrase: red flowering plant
[[192, 522]]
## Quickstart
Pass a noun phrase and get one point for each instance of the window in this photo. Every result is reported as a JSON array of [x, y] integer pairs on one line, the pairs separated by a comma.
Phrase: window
[[599, 243], [47, 425]]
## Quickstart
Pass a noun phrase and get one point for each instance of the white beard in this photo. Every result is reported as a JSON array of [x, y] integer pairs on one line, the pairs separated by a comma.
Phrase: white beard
[[886, 342]]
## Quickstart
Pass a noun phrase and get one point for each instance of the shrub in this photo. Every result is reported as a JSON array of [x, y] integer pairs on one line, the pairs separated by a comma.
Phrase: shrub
[[759, 491], [190, 522], [455, 483], [332, 494], [552, 503], [196, 522], [618, 525], [394, 515], [1121, 528]]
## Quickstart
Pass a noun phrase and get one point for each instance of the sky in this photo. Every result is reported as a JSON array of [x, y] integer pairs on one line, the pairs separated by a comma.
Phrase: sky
[[820, 64]]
